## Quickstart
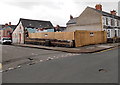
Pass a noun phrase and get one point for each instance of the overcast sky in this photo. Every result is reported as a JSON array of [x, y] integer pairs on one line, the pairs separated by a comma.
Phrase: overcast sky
[[56, 11]]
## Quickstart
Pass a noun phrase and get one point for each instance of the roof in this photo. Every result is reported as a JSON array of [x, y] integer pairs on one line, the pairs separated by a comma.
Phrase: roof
[[72, 21], [60, 28], [29, 23], [11, 26], [105, 13]]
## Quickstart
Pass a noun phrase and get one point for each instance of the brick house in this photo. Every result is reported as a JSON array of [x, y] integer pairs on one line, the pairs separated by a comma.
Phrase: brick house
[[6, 30]]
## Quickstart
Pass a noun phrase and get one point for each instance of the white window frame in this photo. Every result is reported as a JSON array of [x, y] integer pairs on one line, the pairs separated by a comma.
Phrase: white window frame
[[104, 20], [115, 22], [109, 21]]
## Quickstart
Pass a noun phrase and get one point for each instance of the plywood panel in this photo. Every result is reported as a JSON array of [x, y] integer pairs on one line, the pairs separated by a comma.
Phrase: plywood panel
[[81, 37], [53, 35], [85, 37]]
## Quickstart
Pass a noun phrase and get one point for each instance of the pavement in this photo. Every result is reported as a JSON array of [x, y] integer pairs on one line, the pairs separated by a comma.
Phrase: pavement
[[83, 49]]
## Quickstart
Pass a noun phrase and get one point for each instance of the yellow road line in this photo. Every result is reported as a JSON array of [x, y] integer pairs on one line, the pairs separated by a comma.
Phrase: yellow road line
[[107, 50]]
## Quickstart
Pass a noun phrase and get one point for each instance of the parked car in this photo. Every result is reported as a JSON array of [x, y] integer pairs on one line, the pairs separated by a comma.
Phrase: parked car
[[5, 40]]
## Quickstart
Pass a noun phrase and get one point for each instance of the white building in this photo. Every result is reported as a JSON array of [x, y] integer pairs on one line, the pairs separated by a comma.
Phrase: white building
[[30, 26]]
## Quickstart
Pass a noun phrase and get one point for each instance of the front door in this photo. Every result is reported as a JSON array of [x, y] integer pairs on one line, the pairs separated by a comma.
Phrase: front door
[[19, 38]]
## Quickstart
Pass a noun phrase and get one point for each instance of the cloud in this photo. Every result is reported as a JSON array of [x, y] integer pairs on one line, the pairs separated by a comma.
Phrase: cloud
[[29, 4], [107, 6], [95, 1], [56, 11]]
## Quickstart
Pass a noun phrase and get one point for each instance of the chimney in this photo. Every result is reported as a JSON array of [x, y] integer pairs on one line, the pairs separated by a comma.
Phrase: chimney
[[98, 7], [71, 17], [9, 23], [113, 12], [6, 24]]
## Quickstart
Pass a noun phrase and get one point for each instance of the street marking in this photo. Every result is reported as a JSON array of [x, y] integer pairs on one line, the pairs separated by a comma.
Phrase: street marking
[[11, 68], [105, 50]]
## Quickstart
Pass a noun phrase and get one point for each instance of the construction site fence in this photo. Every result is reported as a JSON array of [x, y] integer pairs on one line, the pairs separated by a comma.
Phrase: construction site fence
[[80, 38]]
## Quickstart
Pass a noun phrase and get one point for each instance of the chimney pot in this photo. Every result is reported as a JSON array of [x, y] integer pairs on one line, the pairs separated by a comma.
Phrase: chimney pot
[[98, 7], [71, 17], [113, 12], [6, 24], [9, 23]]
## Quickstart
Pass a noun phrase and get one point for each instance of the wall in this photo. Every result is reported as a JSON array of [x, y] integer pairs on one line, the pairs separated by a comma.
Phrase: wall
[[0, 34], [87, 27], [89, 37], [91, 18], [53, 35], [88, 20], [81, 38], [18, 34]]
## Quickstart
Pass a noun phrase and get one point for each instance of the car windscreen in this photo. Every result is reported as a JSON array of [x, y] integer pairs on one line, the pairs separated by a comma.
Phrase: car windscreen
[[6, 39]]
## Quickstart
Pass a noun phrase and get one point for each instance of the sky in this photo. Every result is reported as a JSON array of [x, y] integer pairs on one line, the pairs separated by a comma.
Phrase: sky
[[56, 11]]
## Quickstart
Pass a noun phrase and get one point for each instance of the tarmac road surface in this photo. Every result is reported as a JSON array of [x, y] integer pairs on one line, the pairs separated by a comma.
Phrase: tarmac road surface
[[86, 68], [14, 56]]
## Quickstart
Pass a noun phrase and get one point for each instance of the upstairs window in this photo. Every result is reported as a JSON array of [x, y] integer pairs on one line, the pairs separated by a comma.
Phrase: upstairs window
[[112, 22], [118, 23], [106, 21]]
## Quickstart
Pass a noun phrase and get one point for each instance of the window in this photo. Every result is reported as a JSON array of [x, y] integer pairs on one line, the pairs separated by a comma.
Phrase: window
[[91, 34], [117, 23], [108, 33], [119, 32], [112, 22], [115, 33], [106, 21], [20, 27], [8, 32]]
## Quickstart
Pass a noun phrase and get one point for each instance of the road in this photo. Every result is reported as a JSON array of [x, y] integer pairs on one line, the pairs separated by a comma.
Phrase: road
[[13, 56], [85, 68]]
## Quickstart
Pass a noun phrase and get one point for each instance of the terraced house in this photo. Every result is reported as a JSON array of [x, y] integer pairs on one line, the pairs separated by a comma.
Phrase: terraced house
[[98, 20], [7, 30]]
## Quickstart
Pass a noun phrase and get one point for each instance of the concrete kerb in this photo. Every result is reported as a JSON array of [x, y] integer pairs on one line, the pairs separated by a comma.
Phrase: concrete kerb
[[62, 49]]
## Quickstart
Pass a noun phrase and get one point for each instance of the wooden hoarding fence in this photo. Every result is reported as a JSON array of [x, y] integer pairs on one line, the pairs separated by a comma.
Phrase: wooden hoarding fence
[[77, 38], [89, 37]]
